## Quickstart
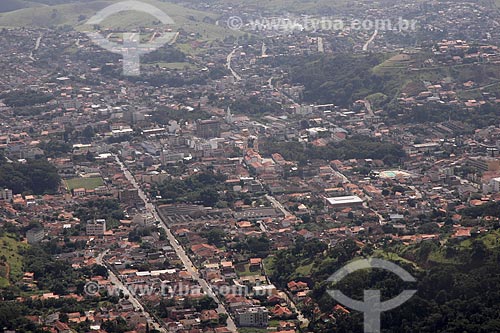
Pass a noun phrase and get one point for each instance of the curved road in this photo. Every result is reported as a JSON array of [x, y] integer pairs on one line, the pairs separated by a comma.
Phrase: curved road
[[276, 204], [228, 64], [37, 46], [368, 107], [365, 47]]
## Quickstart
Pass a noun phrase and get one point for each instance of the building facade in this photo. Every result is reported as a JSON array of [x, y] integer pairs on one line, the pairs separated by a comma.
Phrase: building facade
[[252, 317], [35, 235], [96, 227], [208, 128]]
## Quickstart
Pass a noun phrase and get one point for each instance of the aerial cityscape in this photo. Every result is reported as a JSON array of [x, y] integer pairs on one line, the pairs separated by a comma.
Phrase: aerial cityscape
[[216, 166]]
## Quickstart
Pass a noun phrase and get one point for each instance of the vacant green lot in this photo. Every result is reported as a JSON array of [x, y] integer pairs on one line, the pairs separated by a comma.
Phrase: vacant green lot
[[304, 270], [87, 183], [247, 271], [11, 262]]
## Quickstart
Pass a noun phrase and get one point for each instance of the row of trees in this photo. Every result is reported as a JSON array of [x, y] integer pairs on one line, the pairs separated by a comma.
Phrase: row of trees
[[357, 147], [199, 188], [255, 106], [206, 188], [108, 209], [25, 98]]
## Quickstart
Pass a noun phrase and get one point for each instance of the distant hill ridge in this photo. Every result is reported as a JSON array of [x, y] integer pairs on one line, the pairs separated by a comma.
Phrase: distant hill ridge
[[12, 5], [75, 13]]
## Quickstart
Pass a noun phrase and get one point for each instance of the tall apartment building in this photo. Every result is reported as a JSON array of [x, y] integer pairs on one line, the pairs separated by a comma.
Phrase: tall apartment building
[[6, 194], [35, 235], [130, 196], [96, 227], [484, 163], [208, 128], [252, 317]]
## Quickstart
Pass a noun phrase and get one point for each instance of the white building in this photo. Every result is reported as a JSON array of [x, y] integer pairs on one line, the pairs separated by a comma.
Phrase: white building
[[493, 186], [265, 290], [343, 202], [168, 157], [252, 317], [6, 194], [143, 219]]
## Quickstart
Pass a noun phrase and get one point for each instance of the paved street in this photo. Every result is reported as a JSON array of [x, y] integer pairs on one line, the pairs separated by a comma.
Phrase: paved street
[[276, 204], [228, 65], [119, 285], [179, 250]]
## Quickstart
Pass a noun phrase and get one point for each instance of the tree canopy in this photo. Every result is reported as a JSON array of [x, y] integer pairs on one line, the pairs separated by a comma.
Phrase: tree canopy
[[35, 176], [357, 147]]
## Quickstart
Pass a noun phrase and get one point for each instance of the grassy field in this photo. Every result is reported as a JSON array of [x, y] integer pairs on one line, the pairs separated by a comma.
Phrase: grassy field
[[268, 265], [188, 48], [77, 14], [491, 240], [87, 183], [439, 255], [301, 271], [391, 256], [304, 270], [13, 266]]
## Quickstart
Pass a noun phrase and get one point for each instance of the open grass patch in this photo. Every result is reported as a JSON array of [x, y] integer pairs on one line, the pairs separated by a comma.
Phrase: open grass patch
[[12, 261], [86, 183], [394, 257], [268, 264], [491, 240], [304, 270]]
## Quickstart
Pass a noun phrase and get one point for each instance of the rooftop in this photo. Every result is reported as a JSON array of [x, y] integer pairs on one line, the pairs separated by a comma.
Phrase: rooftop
[[350, 199]]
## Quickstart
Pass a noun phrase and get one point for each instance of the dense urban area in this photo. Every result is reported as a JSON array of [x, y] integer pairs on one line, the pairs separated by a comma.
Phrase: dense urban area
[[219, 190]]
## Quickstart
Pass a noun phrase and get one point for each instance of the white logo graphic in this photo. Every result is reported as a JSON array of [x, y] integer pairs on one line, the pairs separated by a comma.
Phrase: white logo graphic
[[131, 49], [371, 305]]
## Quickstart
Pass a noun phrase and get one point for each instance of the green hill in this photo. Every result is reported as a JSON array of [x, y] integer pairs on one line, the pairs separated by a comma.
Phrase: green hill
[[10, 260], [12, 5], [76, 14]]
